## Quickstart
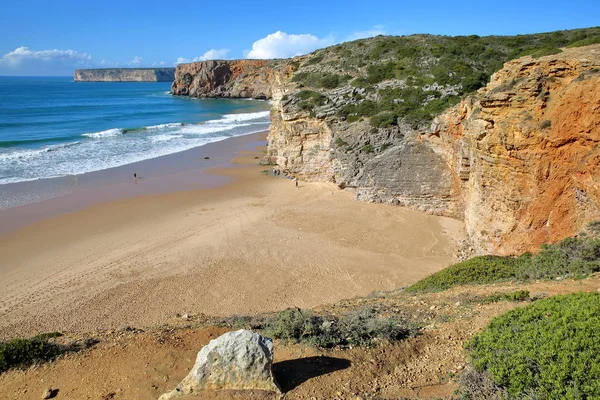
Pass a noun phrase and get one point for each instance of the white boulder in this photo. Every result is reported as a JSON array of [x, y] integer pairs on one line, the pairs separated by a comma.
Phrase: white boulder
[[236, 360]]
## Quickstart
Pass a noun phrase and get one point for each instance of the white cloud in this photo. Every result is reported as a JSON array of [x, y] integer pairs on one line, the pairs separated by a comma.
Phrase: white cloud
[[136, 62], [212, 54], [283, 45], [43, 62], [376, 30]]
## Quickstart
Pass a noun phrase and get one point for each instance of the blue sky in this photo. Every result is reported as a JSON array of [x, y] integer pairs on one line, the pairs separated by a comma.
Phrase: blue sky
[[54, 37]]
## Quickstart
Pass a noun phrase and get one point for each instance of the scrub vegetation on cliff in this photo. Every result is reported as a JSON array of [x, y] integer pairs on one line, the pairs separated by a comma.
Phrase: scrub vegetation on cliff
[[414, 78], [573, 257]]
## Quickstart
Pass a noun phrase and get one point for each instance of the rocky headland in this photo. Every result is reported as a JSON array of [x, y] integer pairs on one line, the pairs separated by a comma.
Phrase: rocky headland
[[399, 121], [125, 75]]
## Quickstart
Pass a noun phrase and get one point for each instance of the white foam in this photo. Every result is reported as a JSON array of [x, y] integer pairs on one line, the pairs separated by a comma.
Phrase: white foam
[[112, 148], [205, 129], [163, 126], [229, 118], [164, 138], [19, 155], [102, 134]]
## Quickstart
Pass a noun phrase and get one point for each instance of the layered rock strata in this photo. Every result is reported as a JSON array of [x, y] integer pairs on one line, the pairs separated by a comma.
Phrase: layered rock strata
[[125, 75]]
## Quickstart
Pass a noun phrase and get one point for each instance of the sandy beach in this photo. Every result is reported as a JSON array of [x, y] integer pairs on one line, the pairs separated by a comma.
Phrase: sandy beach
[[244, 243]]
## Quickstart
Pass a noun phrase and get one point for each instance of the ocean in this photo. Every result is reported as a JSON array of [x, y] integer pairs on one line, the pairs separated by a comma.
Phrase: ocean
[[53, 127]]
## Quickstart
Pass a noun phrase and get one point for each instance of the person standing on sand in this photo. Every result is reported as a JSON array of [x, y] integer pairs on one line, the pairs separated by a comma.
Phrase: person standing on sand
[[296, 181]]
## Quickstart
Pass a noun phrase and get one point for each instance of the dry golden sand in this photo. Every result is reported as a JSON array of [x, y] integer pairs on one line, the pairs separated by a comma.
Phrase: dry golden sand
[[257, 244]]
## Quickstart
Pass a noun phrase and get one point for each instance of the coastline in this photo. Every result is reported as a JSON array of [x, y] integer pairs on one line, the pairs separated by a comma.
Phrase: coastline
[[249, 243], [182, 171]]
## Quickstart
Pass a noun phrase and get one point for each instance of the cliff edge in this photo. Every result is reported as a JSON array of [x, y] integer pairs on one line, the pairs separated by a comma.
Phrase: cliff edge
[[255, 79], [125, 75]]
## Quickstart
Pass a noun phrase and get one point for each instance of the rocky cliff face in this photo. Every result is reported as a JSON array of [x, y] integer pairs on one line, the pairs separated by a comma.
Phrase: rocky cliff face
[[518, 160], [389, 165], [235, 78], [526, 151], [125, 75]]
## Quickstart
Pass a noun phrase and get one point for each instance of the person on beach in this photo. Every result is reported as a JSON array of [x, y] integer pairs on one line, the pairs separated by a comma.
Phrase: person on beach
[[296, 181]]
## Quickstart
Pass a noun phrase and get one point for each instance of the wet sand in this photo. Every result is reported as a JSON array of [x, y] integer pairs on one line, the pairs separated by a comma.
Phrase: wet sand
[[244, 243]]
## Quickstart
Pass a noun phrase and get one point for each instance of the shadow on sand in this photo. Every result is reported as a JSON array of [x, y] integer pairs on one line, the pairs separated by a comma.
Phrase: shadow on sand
[[292, 373]]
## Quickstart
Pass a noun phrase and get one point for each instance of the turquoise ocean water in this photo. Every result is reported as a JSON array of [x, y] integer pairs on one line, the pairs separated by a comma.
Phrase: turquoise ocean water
[[54, 127]]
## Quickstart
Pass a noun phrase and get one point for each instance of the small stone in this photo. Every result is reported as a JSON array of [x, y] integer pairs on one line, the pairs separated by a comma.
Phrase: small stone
[[186, 316], [49, 393], [432, 308], [457, 304]]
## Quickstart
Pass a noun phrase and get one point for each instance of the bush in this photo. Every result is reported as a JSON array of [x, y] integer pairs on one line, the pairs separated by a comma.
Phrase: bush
[[479, 270], [571, 257], [360, 327], [383, 120], [546, 51], [550, 348], [518, 295], [585, 42], [21, 353]]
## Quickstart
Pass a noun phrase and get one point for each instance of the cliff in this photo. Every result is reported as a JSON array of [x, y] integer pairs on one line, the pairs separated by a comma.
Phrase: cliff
[[518, 160], [410, 121], [236, 78], [125, 75], [526, 151]]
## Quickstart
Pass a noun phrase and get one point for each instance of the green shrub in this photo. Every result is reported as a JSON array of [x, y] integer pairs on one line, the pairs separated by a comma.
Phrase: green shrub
[[571, 257], [585, 42], [550, 348], [360, 83], [383, 120], [21, 353], [518, 295], [479, 270], [368, 148], [545, 51], [331, 81], [314, 60], [339, 142], [360, 327]]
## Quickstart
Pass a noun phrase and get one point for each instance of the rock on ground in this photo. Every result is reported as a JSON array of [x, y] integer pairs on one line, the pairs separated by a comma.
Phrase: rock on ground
[[236, 360]]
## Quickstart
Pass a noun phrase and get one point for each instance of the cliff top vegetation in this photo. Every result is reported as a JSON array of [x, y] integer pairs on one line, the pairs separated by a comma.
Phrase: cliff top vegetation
[[414, 78]]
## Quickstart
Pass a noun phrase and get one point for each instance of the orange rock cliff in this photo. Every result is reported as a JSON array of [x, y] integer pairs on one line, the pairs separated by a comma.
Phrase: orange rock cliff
[[518, 161]]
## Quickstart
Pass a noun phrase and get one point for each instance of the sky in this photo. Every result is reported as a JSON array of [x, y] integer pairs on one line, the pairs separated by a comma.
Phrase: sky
[[55, 37]]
